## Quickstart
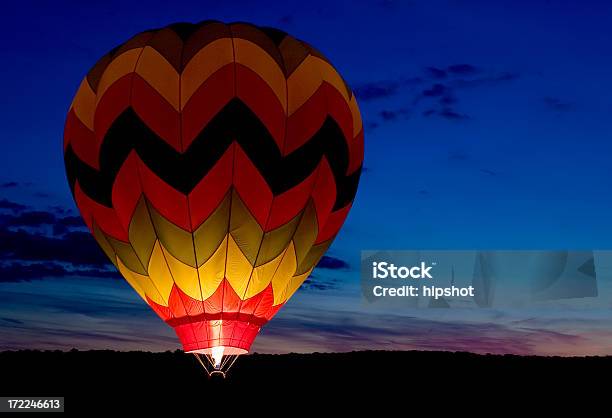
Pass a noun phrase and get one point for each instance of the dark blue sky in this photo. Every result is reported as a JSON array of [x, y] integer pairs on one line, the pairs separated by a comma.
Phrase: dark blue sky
[[487, 123]]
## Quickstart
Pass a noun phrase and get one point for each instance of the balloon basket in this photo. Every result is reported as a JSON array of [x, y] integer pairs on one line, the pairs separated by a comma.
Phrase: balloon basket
[[216, 367]]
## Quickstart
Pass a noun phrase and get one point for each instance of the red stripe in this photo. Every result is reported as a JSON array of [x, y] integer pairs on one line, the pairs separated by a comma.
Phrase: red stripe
[[93, 212], [83, 140], [170, 203], [333, 224], [324, 194], [252, 187], [207, 334], [306, 121], [287, 205], [339, 109], [163, 312], [126, 190], [206, 102], [210, 191], [114, 101], [262, 100], [156, 112]]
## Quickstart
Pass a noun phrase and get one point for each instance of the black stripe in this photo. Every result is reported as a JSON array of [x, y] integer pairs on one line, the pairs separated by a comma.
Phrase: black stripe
[[184, 171]]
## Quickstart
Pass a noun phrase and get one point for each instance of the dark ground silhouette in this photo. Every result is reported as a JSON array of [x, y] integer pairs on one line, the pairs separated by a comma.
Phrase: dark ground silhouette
[[106, 379]]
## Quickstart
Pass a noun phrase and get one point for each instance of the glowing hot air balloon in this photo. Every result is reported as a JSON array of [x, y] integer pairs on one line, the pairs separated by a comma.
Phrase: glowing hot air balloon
[[214, 164]]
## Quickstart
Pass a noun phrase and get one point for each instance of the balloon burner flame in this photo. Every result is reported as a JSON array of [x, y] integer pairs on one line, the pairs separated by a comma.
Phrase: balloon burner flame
[[217, 356]]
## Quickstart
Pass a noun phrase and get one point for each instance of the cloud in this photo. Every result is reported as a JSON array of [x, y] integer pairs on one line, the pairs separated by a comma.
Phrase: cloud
[[332, 263], [306, 329], [391, 115], [487, 80], [370, 91], [462, 69], [19, 272], [488, 172], [75, 247], [12, 206], [316, 283], [436, 90], [376, 90], [451, 71], [436, 72], [370, 126], [447, 100], [22, 217], [36, 244], [458, 155], [12, 321], [286, 20], [558, 105], [30, 219], [446, 113]]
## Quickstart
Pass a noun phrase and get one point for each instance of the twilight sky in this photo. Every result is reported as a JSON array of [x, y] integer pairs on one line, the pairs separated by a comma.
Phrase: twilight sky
[[487, 127]]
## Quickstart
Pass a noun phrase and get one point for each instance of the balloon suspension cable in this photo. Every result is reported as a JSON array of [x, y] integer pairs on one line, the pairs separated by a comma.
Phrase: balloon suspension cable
[[215, 365]]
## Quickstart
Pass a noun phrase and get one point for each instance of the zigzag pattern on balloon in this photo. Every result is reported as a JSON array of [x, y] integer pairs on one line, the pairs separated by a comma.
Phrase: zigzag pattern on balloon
[[184, 170], [214, 165]]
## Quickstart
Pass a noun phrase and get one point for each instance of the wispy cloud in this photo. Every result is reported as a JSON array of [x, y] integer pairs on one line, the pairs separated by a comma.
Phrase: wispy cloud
[[558, 105], [376, 90], [332, 263]]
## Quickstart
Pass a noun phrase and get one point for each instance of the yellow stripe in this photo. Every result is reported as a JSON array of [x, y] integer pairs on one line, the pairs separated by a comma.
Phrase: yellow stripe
[[262, 276], [212, 271], [283, 275], [238, 269], [159, 272], [294, 284], [185, 277], [142, 284]]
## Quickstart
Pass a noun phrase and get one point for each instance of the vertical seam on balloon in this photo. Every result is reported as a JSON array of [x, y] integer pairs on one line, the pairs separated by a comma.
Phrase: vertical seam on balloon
[[323, 156], [146, 202], [195, 257], [301, 215], [286, 249], [133, 75], [94, 224], [127, 231], [229, 220], [263, 236]]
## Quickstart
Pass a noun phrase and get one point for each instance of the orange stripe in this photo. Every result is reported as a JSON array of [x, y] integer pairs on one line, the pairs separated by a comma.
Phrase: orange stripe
[[156, 112], [203, 65], [160, 75], [84, 104], [259, 61]]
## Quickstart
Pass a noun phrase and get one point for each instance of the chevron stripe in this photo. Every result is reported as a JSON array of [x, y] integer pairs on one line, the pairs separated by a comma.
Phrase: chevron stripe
[[183, 171]]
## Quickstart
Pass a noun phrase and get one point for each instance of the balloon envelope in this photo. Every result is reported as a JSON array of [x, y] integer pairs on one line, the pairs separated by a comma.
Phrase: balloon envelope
[[214, 164]]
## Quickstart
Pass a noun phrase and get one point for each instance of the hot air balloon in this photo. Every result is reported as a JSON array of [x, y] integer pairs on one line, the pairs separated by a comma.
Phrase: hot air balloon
[[214, 165]]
